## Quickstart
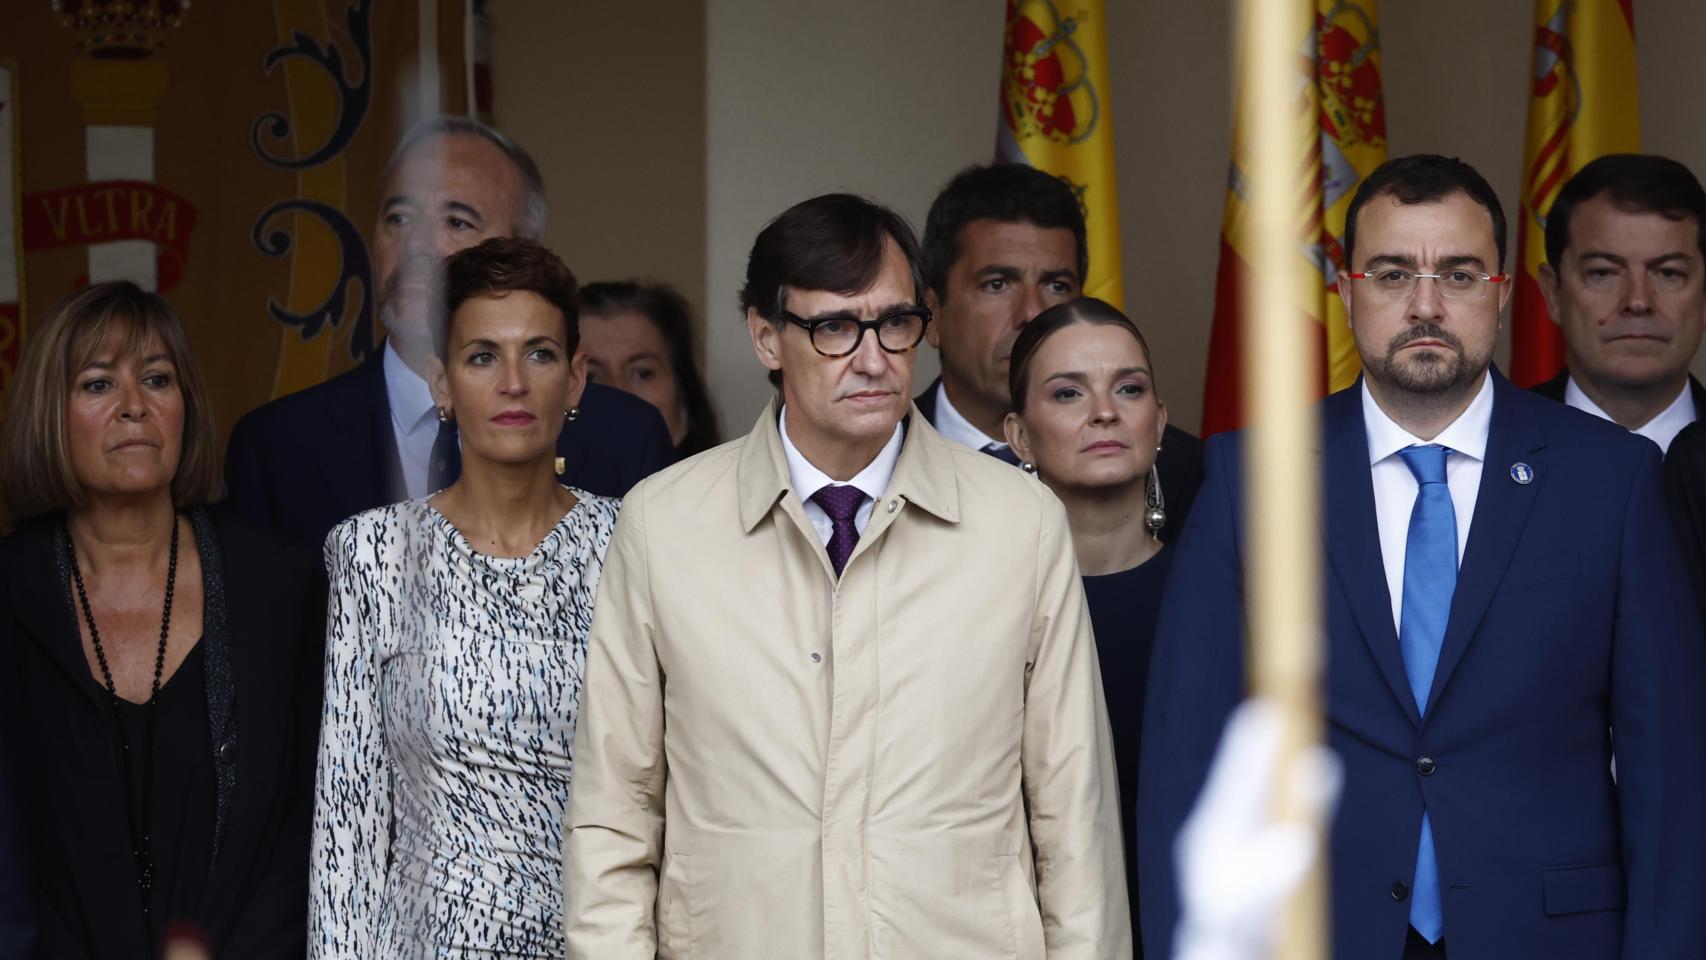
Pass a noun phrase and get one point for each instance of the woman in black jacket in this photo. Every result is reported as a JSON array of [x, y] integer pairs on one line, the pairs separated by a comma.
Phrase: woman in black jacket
[[164, 660]]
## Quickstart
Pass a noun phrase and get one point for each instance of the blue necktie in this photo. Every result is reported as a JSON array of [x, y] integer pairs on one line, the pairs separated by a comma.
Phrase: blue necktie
[[1430, 578]]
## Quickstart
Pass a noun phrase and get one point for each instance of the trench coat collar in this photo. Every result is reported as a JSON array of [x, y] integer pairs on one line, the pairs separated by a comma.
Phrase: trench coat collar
[[924, 475]]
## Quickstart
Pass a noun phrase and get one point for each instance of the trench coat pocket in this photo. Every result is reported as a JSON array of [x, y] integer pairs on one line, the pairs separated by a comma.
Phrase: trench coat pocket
[[1019, 896], [1584, 888]]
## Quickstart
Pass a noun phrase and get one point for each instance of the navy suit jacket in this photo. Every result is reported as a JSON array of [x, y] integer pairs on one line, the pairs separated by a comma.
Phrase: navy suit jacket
[[1179, 463], [1572, 636], [304, 462]]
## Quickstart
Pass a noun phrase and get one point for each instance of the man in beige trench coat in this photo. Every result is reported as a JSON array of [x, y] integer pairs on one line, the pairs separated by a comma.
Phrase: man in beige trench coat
[[841, 696]]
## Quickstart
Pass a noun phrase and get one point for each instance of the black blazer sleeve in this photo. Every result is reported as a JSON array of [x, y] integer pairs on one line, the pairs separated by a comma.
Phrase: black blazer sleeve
[[1685, 496]]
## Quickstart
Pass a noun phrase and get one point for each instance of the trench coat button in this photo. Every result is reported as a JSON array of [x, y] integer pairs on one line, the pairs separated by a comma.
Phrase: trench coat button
[[228, 751], [817, 658], [894, 505], [1426, 766], [1400, 890]]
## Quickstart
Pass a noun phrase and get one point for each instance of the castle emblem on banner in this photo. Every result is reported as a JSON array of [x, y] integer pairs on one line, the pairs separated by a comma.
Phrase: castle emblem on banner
[[1045, 78]]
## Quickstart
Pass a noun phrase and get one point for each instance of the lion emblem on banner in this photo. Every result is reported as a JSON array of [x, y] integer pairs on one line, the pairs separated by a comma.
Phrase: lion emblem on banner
[[1045, 77]]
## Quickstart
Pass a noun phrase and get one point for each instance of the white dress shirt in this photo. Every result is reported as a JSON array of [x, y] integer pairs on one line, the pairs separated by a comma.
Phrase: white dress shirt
[[952, 424], [806, 479], [414, 421], [1395, 486], [1662, 429]]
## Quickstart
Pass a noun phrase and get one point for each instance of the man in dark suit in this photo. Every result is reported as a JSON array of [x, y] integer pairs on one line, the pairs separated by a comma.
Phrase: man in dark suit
[[370, 436], [1505, 613], [1001, 244], [1625, 278]]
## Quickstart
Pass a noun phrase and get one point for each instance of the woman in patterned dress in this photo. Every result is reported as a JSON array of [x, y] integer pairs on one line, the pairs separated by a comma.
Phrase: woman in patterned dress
[[456, 637]]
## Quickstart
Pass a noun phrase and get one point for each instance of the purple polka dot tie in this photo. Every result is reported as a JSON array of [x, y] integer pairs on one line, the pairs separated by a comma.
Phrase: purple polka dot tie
[[841, 502]]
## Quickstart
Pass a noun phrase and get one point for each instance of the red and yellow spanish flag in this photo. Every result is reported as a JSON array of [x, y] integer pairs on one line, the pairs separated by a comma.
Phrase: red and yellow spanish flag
[[1339, 137], [1054, 116], [1583, 103]]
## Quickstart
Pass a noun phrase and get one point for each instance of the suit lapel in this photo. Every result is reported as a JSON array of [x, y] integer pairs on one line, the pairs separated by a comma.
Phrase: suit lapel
[[1353, 539], [359, 479], [1501, 510]]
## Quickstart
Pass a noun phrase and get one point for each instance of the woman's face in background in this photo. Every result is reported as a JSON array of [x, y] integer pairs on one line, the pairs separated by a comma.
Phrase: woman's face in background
[[626, 350]]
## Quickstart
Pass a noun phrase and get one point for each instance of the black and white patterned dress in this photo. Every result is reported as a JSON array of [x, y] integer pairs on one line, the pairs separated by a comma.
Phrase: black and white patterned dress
[[452, 683]]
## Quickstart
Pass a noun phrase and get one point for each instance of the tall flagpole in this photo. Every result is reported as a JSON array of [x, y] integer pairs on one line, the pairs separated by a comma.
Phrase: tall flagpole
[[1280, 373]]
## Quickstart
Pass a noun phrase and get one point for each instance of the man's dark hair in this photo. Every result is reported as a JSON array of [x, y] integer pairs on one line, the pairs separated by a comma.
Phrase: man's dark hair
[[1005, 193], [1424, 178], [834, 242], [1634, 183], [530, 217], [500, 266], [669, 312]]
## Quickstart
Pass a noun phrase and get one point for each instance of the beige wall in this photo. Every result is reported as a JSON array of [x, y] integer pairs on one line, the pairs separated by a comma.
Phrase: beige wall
[[611, 104], [889, 98]]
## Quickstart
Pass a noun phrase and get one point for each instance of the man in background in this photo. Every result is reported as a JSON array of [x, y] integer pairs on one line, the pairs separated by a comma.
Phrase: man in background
[[371, 436], [1003, 243], [1625, 279]]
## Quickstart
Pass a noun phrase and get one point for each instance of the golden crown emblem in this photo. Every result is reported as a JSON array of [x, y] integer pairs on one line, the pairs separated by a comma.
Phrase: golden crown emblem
[[121, 29]]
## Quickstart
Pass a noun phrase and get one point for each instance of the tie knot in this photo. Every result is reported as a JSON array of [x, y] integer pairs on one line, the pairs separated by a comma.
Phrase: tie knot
[[840, 501], [1426, 463]]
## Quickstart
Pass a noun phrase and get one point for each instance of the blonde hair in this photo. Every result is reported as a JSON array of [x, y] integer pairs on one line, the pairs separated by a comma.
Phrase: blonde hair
[[36, 475]]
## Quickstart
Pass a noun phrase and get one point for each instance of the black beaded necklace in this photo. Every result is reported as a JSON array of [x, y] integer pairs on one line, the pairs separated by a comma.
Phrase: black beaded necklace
[[139, 826]]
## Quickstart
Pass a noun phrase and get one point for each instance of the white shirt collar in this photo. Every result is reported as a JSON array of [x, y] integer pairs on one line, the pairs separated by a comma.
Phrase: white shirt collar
[[951, 424], [806, 479], [1662, 429], [406, 390], [1467, 435]]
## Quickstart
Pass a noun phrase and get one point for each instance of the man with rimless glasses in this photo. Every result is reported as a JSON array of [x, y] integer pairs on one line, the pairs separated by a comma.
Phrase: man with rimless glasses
[[841, 696], [1506, 612]]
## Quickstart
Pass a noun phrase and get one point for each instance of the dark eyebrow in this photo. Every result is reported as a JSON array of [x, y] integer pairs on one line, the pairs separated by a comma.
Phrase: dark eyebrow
[[110, 364], [396, 199], [493, 344], [1659, 260], [1052, 275], [1403, 260], [1462, 260], [849, 315], [457, 206], [1080, 375], [998, 270]]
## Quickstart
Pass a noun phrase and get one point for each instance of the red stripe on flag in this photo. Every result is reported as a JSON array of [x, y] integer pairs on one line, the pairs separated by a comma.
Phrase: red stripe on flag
[[1628, 8], [1537, 345], [1223, 394]]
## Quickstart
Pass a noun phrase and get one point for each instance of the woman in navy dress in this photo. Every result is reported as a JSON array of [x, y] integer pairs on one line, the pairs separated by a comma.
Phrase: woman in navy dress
[[1087, 421]]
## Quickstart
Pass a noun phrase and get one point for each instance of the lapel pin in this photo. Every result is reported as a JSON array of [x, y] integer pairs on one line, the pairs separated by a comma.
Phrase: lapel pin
[[1522, 473]]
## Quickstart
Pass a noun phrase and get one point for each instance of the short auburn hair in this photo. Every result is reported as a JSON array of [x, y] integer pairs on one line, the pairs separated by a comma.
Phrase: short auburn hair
[[500, 266], [36, 475]]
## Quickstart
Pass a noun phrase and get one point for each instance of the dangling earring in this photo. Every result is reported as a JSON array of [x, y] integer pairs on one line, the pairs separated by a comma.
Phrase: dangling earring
[[443, 415], [573, 413], [559, 466], [1156, 517]]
